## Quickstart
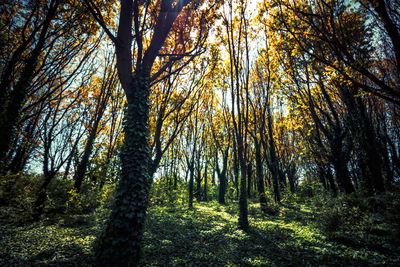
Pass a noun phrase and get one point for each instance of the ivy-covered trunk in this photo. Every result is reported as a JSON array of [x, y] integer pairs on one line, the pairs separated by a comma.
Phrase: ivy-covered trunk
[[119, 244]]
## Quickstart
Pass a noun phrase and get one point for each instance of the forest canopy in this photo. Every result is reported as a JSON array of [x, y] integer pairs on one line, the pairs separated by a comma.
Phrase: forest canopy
[[188, 132]]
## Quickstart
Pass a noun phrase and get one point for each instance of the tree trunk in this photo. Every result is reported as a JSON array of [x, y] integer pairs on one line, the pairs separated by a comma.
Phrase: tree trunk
[[222, 188], [341, 171], [260, 178], [222, 177], [390, 27], [198, 184], [191, 185], [38, 206], [205, 183], [236, 169], [243, 208], [249, 178], [11, 112], [331, 181], [274, 167], [119, 244], [83, 164]]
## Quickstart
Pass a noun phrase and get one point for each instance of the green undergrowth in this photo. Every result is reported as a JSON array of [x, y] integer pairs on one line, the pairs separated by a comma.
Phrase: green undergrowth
[[303, 233]]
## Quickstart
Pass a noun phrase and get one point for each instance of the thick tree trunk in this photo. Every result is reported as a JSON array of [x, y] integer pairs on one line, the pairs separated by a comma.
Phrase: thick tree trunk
[[119, 244]]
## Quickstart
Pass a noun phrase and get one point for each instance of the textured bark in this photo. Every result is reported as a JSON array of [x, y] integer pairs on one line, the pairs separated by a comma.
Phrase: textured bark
[[119, 244]]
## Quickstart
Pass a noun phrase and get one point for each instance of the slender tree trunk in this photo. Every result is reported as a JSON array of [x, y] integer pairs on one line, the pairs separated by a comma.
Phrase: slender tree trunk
[[83, 164], [236, 169], [38, 206], [191, 185], [291, 172], [11, 112], [249, 178], [205, 183], [222, 177], [331, 181], [260, 178], [390, 27], [273, 165], [198, 184], [243, 208]]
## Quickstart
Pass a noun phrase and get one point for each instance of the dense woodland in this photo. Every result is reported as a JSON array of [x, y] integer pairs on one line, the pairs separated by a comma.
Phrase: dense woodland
[[200, 133]]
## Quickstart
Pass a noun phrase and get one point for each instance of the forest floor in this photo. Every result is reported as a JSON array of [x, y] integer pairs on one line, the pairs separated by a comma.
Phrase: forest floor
[[205, 236]]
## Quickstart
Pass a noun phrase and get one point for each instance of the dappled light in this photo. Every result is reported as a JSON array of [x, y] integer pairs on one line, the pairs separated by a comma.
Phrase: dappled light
[[200, 133]]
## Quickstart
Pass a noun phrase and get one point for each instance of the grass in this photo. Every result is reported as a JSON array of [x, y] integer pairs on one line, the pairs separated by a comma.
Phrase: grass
[[204, 236]]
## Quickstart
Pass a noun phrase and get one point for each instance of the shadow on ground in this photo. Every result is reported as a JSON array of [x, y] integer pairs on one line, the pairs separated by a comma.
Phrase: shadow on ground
[[204, 236]]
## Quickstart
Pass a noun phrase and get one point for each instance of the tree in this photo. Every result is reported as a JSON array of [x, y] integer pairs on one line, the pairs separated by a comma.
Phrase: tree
[[102, 91], [119, 244], [39, 47], [237, 32]]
